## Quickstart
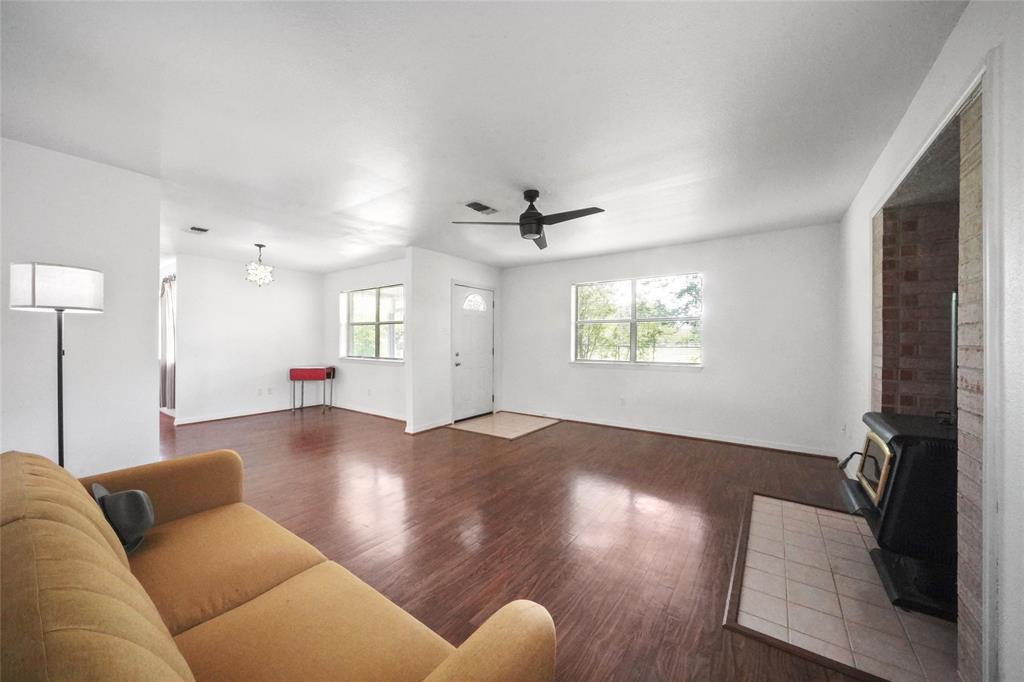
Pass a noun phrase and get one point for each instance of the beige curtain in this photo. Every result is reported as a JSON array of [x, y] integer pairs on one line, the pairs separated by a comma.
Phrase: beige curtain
[[167, 350]]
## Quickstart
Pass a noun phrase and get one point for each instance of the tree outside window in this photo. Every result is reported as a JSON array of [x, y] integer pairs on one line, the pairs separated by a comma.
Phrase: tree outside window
[[649, 320]]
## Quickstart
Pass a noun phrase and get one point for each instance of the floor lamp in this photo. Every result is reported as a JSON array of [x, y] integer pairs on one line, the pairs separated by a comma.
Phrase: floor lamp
[[61, 289]]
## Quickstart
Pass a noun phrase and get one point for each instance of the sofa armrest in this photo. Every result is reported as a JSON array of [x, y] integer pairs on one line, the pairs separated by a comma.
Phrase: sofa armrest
[[516, 644], [183, 486]]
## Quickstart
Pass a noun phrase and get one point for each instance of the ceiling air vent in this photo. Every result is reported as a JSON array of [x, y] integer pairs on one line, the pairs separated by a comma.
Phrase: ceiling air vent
[[199, 230], [482, 208]]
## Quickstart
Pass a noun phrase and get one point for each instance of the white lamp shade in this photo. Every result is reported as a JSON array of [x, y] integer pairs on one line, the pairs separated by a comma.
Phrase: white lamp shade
[[41, 286]]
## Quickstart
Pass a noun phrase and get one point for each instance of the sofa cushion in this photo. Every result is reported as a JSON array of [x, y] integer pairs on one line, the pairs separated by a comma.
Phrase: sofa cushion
[[199, 566], [323, 624], [34, 487], [70, 608]]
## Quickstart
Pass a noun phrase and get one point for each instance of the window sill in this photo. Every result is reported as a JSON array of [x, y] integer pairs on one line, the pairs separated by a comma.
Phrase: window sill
[[372, 361], [639, 365]]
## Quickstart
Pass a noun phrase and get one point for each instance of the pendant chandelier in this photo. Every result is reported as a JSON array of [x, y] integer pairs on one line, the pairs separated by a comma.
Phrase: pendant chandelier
[[257, 272]]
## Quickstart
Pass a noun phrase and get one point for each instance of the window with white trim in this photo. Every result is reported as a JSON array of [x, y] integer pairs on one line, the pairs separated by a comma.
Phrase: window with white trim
[[373, 323], [643, 320]]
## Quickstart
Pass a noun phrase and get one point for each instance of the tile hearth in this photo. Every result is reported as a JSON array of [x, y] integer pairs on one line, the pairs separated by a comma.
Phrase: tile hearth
[[810, 581]]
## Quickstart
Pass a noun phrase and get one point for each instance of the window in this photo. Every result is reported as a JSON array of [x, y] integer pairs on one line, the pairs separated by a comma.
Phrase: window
[[652, 319], [374, 323], [475, 302]]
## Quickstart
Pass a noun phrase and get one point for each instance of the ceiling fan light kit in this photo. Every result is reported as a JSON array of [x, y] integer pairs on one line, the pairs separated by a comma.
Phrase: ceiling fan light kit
[[531, 221]]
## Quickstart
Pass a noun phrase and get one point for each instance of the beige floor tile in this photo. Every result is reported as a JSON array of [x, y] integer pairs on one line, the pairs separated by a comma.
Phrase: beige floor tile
[[838, 523], [884, 670], [504, 424], [768, 501], [872, 593], [882, 618], [763, 530], [826, 649], [765, 546], [809, 518], [929, 631], [862, 525], [855, 569], [766, 562], [813, 598], [809, 575], [796, 506], [763, 605], [804, 541], [762, 581], [841, 551], [847, 538], [883, 647], [763, 626], [801, 527], [938, 666], [818, 624], [808, 557], [767, 517]]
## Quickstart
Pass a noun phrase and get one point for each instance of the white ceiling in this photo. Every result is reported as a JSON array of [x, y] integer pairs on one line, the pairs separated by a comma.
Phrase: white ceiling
[[337, 133]]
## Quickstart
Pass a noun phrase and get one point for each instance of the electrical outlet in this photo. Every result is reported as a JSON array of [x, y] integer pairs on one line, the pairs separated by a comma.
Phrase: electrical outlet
[[270, 390], [622, 400]]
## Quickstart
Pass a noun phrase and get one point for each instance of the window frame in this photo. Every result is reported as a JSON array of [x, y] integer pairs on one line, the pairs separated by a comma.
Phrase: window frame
[[376, 324], [633, 322]]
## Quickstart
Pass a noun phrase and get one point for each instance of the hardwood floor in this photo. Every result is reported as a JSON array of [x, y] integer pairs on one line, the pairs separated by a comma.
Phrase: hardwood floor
[[626, 537]]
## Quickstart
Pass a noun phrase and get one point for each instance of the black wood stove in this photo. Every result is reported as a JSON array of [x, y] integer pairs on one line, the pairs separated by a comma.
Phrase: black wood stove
[[906, 490]]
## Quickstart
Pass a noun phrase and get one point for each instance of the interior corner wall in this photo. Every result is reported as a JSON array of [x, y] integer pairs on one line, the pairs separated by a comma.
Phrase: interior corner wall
[[236, 341], [428, 332], [988, 35], [768, 333], [58, 208], [373, 386]]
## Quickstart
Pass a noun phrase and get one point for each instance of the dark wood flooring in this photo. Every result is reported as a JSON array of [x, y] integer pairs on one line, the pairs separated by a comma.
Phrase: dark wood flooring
[[626, 537]]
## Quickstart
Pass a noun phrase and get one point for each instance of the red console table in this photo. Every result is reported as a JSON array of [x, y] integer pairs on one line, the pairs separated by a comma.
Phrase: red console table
[[304, 374]]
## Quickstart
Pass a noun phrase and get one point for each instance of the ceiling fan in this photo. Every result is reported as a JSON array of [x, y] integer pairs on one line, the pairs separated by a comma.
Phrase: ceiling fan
[[531, 221]]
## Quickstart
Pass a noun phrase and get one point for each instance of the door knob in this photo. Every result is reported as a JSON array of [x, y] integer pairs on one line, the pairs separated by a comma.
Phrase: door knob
[[458, 364]]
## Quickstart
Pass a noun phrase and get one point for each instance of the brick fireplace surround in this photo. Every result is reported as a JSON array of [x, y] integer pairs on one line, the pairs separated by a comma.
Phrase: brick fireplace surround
[[920, 253]]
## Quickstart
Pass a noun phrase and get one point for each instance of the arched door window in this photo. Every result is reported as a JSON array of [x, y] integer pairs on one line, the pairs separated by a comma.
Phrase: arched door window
[[475, 302]]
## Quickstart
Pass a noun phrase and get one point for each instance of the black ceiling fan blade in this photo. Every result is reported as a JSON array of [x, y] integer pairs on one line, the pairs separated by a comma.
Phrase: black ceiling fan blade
[[570, 215], [541, 241], [475, 222]]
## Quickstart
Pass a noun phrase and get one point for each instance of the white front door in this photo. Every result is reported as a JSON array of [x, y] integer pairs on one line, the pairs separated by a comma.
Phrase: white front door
[[472, 351]]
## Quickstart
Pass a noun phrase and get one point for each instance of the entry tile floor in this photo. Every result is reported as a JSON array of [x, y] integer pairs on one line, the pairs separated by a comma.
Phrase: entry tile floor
[[810, 581], [504, 424]]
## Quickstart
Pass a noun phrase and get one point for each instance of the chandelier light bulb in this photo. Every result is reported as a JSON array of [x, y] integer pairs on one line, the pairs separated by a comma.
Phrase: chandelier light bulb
[[257, 272]]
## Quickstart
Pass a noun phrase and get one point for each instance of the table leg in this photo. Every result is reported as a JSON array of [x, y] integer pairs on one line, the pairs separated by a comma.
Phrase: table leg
[[323, 401], [293, 396], [302, 395]]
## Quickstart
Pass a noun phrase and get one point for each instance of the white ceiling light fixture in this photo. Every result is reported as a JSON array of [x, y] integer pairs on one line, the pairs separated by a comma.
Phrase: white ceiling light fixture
[[257, 272]]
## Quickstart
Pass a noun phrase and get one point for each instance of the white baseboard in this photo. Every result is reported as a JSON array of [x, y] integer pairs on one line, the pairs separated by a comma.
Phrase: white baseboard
[[801, 448]]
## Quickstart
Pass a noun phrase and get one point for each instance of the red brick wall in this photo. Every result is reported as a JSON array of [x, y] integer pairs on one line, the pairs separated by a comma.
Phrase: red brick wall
[[919, 257]]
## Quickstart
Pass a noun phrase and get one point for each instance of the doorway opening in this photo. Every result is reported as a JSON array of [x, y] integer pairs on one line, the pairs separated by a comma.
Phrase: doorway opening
[[167, 351]]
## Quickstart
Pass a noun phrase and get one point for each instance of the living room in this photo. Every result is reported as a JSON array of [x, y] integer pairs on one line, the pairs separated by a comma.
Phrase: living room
[[503, 341]]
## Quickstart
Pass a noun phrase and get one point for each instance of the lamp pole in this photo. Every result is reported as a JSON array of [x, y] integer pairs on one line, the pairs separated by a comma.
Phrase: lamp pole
[[60, 386]]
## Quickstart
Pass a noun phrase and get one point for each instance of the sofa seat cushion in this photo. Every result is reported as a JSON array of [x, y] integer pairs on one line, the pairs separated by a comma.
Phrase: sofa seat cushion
[[323, 624], [199, 566]]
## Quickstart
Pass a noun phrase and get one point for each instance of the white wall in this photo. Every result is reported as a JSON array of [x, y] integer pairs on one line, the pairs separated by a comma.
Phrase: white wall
[[428, 332], [63, 209], [374, 386], [769, 339], [236, 341], [988, 34]]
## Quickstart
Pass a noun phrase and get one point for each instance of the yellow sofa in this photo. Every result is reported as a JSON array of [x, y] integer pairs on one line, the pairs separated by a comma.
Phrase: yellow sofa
[[217, 591]]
